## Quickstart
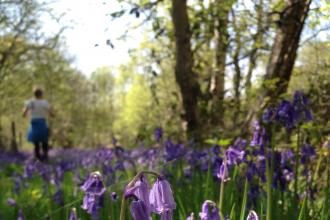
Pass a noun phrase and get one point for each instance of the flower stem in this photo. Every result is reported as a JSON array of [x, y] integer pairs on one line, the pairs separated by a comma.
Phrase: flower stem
[[297, 164], [269, 192], [122, 208], [222, 189]]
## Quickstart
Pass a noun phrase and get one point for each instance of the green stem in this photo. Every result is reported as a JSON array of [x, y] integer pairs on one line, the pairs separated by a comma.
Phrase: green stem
[[222, 188], [122, 208], [297, 164], [269, 174], [269, 192]]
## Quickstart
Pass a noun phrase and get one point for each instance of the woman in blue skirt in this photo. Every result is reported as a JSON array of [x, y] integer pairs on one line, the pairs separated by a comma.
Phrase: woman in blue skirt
[[39, 110]]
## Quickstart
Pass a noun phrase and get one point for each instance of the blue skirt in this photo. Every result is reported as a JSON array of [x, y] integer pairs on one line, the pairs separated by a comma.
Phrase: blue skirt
[[38, 130]]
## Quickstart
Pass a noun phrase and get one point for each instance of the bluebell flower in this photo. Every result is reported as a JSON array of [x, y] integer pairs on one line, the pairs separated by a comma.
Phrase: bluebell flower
[[216, 149], [173, 151], [73, 214], [139, 210], [140, 190], [94, 193], [161, 197], [207, 214], [11, 202], [114, 196], [252, 216], [301, 112], [234, 156], [158, 134], [240, 144], [58, 197], [223, 173], [268, 115], [90, 204], [94, 184], [191, 216], [307, 154], [20, 215], [285, 114], [259, 135], [287, 156]]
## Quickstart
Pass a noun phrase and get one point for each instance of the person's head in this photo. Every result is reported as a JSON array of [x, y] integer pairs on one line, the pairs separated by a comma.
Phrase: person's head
[[38, 93]]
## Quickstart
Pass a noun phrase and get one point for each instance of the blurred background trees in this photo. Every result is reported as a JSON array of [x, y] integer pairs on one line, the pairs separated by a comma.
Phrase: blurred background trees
[[204, 69]]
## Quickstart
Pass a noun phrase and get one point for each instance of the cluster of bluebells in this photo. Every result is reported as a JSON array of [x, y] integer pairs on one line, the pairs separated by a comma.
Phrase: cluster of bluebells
[[145, 200], [290, 113], [158, 199]]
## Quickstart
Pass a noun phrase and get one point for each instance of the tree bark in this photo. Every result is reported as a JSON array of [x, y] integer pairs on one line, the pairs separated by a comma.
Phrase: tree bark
[[14, 147], [283, 55], [238, 73], [184, 75], [257, 41], [222, 42], [284, 50]]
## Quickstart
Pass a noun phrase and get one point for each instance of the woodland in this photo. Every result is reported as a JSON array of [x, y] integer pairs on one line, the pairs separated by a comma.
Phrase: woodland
[[204, 70]]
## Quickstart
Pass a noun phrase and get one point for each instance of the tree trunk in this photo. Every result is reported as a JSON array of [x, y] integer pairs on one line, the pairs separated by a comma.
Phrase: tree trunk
[[184, 75], [238, 73], [283, 55], [222, 41], [14, 147], [257, 42], [284, 50]]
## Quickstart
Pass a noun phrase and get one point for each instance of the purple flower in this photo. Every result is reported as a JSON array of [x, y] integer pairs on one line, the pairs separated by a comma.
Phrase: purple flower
[[268, 115], [158, 134], [223, 173], [284, 114], [94, 184], [161, 197], [139, 210], [11, 202], [307, 153], [216, 149], [73, 214], [234, 156], [173, 151], [301, 111], [140, 190], [252, 216], [258, 135], [215, 213], [206, 214], [114, 196], [240, 144], [191, 217], [90, 204], [287, 157], [58, 197], [20, 215], [167, 215], [94, 190]]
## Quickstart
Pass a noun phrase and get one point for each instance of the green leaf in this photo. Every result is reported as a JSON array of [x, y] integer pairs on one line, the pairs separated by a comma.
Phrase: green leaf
[[302, 210], [243, 207]]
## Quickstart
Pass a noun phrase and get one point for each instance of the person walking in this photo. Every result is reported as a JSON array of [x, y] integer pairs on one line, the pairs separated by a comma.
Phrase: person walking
[[39, 110]]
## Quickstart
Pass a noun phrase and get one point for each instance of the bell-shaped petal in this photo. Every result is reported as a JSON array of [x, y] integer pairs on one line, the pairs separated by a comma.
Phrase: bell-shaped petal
[[252, 216], [139, 210], [140, 190], [161, 197]]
